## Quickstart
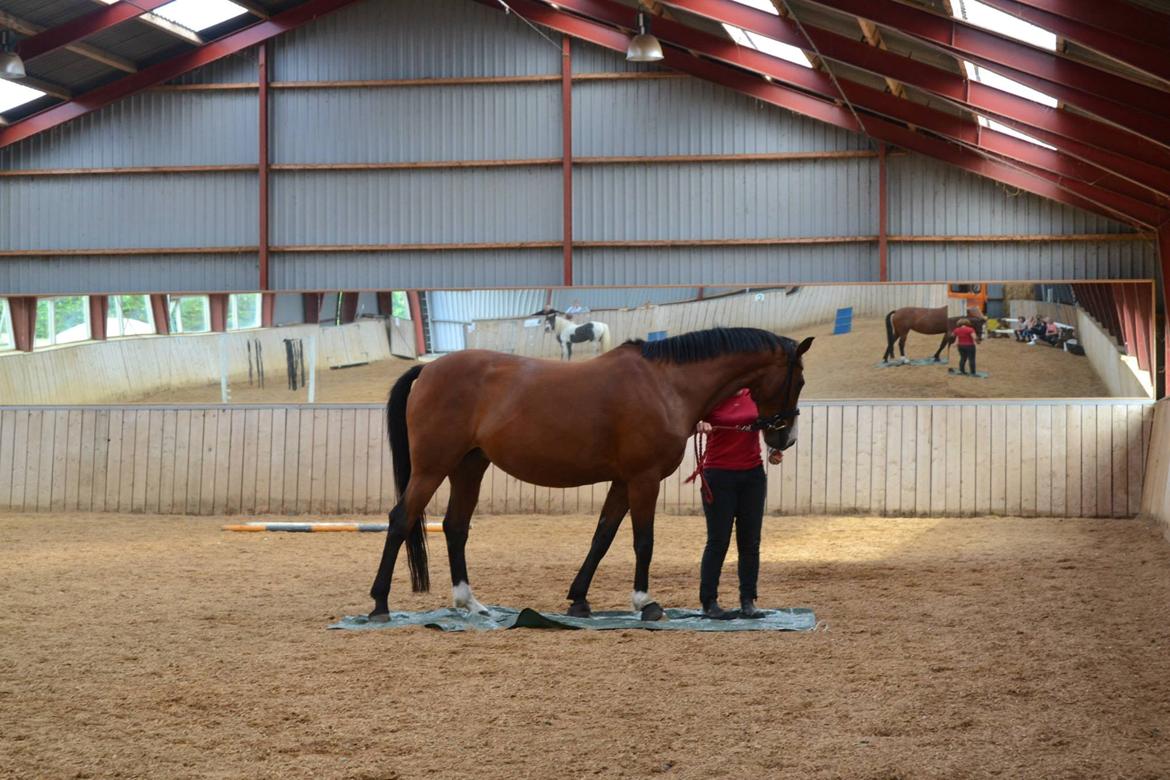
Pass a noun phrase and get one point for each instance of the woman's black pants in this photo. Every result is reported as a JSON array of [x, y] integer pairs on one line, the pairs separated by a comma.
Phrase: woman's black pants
[[737, 496], [966, 354]]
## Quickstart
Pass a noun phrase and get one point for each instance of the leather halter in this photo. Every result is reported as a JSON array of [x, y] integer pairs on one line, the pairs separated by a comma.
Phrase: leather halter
[[775, 422]]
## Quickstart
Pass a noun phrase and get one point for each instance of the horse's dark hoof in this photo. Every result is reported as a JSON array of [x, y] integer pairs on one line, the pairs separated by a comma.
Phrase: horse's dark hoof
[[379, 617], [580, 609], [653, 611]]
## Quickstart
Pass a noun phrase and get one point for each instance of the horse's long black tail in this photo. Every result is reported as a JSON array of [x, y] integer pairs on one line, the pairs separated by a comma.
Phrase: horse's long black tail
[[416, 542], [890, 336]]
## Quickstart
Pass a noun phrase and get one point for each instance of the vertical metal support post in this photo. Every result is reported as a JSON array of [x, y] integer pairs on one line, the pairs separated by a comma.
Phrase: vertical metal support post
[[262, 169], [24, 322], [158, 308], [420, 341], [99, 313], [567, 160], [1164, 254], [883, 217]]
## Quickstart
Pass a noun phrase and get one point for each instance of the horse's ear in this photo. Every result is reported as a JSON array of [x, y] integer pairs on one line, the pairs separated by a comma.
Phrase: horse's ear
[[804, 345]]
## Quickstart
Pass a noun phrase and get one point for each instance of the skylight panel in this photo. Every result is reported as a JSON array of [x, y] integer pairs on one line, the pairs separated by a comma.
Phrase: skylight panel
[[198, 15], [760, 5], [993, 19], [769, 46], [999, 127], [13, 94], [192, 16], [992, 79]]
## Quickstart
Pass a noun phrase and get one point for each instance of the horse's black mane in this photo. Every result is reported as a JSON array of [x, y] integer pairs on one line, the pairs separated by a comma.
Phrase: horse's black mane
[[707, 344]]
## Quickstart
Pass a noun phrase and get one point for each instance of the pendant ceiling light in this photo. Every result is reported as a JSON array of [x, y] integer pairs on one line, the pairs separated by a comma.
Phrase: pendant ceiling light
[[644, 47], [11, 65]]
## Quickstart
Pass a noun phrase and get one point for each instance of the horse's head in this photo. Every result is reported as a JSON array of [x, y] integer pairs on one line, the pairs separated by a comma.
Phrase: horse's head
[[777, 393], [550, 321]]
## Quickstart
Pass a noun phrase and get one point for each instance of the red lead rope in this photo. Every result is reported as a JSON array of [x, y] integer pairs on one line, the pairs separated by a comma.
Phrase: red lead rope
[[700, 461], [774, 457]]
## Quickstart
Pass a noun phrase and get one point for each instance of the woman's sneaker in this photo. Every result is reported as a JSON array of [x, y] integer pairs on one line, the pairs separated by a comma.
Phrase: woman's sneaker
[[748, 609], [713, 611]]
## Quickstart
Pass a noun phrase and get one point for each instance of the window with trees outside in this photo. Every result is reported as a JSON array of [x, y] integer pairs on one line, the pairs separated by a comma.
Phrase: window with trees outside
[[398, 306], [189, 313], [62, 321], [7, 339], [129, 315], [243, 311]]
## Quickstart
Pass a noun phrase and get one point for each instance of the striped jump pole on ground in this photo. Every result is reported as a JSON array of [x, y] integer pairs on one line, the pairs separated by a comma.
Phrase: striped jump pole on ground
[[318, 527]]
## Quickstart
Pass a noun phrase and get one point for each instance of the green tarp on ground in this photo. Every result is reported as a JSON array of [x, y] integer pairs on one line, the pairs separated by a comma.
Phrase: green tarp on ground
[[449, 619], [914, 362]]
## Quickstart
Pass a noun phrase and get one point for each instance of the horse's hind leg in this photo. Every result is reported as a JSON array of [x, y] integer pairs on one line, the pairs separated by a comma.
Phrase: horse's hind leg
[[616, 504], [902, 344], [403, 516], [945, 340], [465, 484]]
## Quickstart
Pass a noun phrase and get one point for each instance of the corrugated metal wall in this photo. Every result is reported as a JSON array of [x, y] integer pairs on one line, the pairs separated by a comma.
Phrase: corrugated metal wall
[[929, 198], [139, 273], [727, 265], [640, 114]]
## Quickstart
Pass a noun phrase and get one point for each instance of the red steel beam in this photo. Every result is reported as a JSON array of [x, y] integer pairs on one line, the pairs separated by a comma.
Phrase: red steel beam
[[168, 69], [1086, 139], [84, 26], [1127, 20], [1134, 106], [1117, 196], [1152, 58], [1031, 180], [566, 161]]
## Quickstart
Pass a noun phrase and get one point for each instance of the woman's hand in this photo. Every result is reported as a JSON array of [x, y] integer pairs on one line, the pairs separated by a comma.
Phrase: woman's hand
[[703, 427]]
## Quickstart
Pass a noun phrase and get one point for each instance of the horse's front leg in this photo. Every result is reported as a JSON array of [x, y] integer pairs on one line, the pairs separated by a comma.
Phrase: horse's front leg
[[617, 503], [643, 497]]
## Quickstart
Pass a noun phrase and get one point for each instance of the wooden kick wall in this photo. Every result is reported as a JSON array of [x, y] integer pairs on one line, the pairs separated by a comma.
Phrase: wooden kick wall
[[1060, 458]]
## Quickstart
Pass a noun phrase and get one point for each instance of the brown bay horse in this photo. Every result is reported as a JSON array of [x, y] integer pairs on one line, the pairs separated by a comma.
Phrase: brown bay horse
[[901, 321], [623, 417]]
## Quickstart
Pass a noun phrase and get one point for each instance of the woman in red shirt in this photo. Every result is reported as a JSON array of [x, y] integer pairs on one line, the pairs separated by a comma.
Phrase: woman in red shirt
[[733, 474], [964, 336]]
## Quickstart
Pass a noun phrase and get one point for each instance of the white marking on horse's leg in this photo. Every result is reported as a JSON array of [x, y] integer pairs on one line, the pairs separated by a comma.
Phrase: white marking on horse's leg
[[462, 598], [639, 599]]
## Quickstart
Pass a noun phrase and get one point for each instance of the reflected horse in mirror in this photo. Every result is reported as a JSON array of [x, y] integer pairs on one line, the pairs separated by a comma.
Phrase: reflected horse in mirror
[[900, 322], [634, 410], [570, 333]]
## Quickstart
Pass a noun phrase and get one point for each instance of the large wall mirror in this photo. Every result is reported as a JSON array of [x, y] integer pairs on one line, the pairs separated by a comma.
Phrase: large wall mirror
[[1033, 340]]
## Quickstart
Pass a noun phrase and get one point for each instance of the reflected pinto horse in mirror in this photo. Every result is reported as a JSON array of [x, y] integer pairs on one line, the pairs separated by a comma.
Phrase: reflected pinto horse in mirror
[[634, 409], [900, 322], [570, 333]]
